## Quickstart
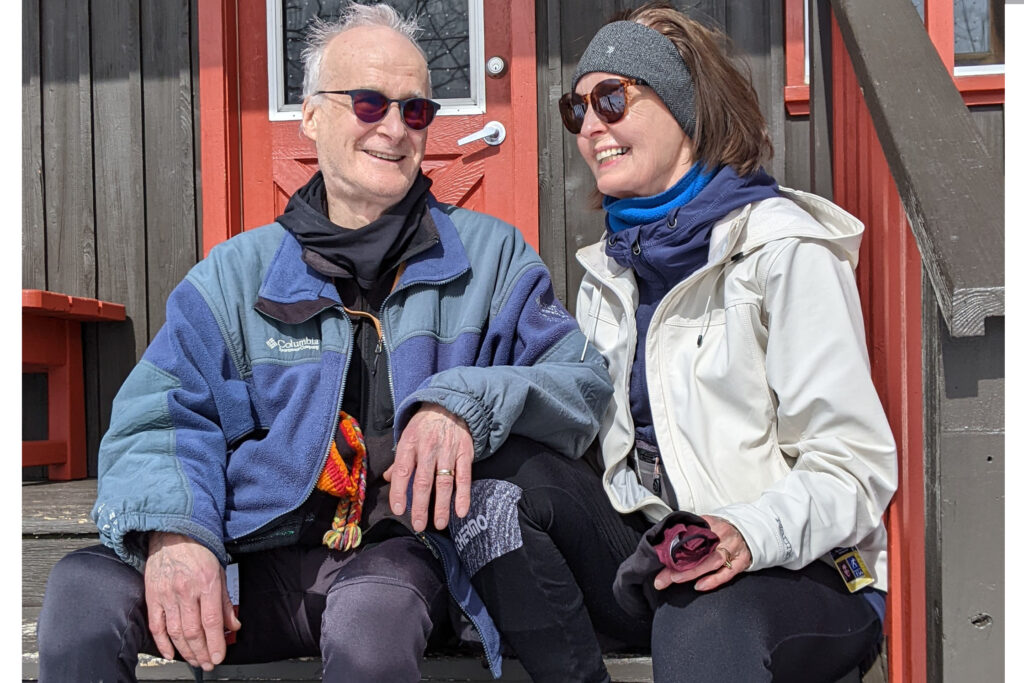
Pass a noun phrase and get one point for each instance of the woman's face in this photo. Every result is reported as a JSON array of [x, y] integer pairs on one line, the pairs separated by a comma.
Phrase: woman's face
[[640, 155]]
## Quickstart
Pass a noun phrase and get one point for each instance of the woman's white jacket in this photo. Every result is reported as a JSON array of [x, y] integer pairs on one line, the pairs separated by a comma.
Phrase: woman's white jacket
[[759, 384]]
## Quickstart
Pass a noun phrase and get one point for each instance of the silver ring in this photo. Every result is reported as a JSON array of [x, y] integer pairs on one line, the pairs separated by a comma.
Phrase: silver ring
[[445, 473]]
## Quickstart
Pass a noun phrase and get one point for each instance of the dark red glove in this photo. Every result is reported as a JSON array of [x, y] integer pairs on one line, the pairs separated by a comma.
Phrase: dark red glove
[[685, 545]]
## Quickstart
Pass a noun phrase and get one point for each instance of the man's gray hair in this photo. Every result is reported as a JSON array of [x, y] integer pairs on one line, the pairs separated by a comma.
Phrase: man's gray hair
[[321, 32]]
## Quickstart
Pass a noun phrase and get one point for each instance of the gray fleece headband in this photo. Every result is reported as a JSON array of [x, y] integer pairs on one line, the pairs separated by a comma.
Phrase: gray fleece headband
[[637, 51]]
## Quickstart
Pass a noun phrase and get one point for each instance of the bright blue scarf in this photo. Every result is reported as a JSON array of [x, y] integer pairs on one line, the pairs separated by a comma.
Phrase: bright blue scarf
[[632, 211]]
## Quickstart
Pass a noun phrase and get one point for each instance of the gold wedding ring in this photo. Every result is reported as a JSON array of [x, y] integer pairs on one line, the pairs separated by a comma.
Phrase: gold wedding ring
[[728, 557], [445, 473]]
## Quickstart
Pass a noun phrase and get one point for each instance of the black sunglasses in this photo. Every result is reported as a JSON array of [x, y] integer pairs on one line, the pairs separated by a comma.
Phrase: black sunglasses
[[370, 106], [608, 98]]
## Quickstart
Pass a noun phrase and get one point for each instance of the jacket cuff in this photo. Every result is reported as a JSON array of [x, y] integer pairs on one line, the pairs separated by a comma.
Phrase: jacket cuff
[[124, 534], [470, 408], [765, 535]]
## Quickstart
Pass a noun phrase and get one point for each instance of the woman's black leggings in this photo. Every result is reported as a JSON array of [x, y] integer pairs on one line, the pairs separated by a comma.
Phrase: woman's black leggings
[[543, 543]]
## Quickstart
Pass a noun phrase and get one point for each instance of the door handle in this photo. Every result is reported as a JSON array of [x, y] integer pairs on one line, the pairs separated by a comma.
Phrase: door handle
[[493, 133]]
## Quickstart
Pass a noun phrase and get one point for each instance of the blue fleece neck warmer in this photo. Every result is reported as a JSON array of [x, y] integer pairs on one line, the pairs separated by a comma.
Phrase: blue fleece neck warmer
[[626, 213]]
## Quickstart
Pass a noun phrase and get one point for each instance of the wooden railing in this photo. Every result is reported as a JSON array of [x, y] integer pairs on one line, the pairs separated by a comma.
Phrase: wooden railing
[[950, 185], [894, 144]]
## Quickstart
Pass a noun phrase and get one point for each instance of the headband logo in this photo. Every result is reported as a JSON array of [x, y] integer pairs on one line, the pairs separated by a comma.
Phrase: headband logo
[[610, 49]]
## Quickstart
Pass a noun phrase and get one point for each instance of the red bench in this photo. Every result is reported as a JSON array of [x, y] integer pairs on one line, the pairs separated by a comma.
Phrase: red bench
[[51, 343]]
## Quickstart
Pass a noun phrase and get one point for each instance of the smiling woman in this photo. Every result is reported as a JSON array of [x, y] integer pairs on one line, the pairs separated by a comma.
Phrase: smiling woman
[[727, 311]]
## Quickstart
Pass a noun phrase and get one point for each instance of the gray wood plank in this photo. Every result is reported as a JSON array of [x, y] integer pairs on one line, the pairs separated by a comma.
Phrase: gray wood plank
[[197, 152], [110, 350], [820, 143], [57, 508], [955, 209], [797, 143], [67, 149], [989, 120], [119, 165], [168, 132], [579, 21], [33, 216], [551, 164]]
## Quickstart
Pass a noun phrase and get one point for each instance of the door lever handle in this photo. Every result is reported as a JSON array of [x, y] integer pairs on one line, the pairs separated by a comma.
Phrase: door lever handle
[[493, 133]]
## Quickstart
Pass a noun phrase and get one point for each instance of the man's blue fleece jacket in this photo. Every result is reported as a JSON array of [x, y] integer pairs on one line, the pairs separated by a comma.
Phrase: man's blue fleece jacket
[[223, 427]]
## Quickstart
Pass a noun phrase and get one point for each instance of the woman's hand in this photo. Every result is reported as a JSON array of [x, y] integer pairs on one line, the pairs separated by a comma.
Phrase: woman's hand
[[730, 558]]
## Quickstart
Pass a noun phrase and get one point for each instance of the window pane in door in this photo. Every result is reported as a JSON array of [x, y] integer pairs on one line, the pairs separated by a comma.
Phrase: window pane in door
[[445, 39], [978, 32]]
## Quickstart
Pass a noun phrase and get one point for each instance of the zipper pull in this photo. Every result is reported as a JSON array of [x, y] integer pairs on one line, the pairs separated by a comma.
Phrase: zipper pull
[[376, 355]]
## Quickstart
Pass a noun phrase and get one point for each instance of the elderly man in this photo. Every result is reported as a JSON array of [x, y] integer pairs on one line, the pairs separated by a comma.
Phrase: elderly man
[[318, 382]]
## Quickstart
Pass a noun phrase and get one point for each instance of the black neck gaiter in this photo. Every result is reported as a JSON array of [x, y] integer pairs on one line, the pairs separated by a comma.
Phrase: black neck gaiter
[[362, 254]]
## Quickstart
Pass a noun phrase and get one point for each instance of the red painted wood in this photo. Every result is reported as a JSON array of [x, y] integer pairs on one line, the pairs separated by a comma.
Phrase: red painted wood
[[987, 89], [54, 345], [938, 19], [501, 181], [218, 121], [258, 206], [889, 279], [797, 94], [976, 90], [51, 342], [36, 453], [57, 305]]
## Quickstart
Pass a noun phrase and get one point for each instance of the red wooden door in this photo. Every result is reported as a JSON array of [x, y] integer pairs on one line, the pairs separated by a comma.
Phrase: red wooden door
[[251, 165]]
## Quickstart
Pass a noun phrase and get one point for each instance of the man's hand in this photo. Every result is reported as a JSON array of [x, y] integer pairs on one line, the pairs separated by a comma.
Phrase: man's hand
[[436, 451], [732, 550], [187, 600]]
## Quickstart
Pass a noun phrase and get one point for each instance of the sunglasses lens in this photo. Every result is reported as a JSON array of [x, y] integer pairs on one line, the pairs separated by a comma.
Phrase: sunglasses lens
[[369, 106], [572, 108], [419, 112], [609, 100]]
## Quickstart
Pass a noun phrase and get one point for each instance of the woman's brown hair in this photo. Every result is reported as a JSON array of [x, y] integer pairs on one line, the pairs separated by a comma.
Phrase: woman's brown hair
[[730, 130]]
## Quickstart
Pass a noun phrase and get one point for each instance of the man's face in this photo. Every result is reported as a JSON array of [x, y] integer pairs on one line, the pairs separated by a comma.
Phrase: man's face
[[367, 167]]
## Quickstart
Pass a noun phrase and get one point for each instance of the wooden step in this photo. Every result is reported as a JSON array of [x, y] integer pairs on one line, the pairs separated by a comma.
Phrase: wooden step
[[55, 521]]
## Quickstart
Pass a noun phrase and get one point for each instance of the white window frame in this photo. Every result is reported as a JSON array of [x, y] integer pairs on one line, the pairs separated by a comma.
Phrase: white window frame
[[979, 69], [452, 106]]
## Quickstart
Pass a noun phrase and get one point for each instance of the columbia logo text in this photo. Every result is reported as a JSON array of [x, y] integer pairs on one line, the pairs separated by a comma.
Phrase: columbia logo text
[[293, 345]]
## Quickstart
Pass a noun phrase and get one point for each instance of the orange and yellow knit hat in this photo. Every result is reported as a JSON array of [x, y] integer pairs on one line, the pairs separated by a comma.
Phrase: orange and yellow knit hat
[[346, 482]]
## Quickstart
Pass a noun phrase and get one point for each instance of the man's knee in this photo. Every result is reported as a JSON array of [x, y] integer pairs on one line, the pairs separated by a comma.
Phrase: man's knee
[[91, 598], [365, 613], [392, 593]]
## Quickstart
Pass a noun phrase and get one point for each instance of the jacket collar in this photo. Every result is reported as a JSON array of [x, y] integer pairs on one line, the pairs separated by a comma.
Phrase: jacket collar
[[293, 292], [745, 229]]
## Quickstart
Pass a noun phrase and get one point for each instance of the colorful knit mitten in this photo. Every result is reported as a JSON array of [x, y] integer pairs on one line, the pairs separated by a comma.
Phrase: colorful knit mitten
[[347, 482]]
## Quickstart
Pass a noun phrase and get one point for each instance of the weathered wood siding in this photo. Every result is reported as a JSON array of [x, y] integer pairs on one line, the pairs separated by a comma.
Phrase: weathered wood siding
[[110, 168]]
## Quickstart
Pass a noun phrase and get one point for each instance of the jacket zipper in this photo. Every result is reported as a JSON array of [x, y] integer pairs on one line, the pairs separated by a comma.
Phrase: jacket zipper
[[440, 556], [327, 449], [337, 408]]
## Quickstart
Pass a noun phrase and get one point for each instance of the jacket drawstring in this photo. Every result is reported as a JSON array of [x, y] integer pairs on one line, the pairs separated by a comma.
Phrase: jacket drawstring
[[596, 301], [738, 256]]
